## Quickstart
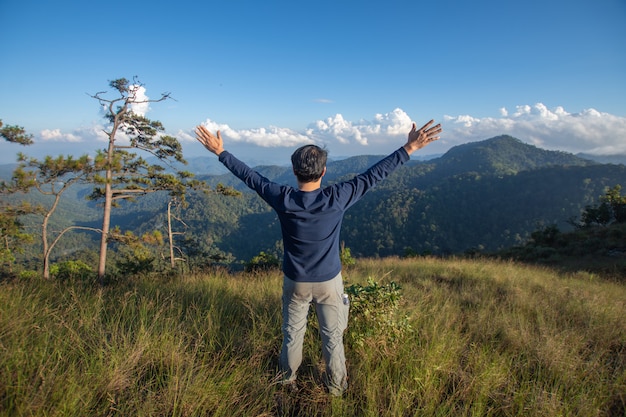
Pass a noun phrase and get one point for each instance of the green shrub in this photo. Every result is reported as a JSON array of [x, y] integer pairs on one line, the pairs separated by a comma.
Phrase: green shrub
[[135, 261], [374, 312], [70, 270], [29, 274], [346, 257], [546, 236], [263, 262]]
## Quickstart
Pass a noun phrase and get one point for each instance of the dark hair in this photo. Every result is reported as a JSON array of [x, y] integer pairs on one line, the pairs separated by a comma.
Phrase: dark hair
[[309, 162]]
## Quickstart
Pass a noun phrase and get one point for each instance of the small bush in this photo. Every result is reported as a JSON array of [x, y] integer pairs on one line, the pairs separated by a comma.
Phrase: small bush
[[137, 260], [70, 270], [373, 312], [263, 262], [346, 257], [29, 274]]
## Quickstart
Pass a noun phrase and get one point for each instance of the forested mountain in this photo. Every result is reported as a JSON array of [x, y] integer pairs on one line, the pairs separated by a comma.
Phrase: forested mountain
[[484, 195], [502, 155]]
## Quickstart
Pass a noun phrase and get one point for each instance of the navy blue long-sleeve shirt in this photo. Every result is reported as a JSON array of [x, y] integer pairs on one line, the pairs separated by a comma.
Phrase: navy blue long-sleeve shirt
[[311, 220]]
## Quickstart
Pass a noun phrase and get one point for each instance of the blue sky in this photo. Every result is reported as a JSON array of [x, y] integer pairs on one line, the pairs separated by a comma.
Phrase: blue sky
[[350, 75]]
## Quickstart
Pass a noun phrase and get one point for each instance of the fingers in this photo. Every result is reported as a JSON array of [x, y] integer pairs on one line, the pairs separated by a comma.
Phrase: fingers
[[427, 130], [431, 133], [423, 128], [203, 134], [433, 130], [211, 142], [202, 131]]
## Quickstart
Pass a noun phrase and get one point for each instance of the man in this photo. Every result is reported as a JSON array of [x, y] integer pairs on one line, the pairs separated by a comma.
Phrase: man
[[310, 219]]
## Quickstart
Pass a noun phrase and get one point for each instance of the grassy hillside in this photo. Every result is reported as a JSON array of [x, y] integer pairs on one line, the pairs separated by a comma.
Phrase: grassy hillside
[[486, 338]]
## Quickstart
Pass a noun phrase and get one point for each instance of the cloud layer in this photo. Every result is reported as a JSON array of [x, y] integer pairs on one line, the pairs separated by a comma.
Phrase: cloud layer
[[588, 131], [265, 137], [363, 132]]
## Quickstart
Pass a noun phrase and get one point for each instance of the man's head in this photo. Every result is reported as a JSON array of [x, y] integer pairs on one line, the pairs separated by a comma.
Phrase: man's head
[[308, 163]]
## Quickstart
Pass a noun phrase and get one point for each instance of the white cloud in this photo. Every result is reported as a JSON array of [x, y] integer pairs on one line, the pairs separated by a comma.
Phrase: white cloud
[[82, 134], [589, 131], [143, 106], [332, 130], [363, 132], [55, 135], [265, 137], [337, 128]]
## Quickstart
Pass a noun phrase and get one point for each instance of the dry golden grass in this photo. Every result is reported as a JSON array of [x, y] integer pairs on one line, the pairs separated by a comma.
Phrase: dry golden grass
[[487, 338]]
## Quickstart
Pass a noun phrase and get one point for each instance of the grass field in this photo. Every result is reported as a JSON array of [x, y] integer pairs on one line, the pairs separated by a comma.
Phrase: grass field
[[486, 338]]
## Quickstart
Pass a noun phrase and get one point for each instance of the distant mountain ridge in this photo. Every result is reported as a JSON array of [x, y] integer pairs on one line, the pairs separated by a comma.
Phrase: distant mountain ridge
[[502, 155], [604, 159], [488, 195]]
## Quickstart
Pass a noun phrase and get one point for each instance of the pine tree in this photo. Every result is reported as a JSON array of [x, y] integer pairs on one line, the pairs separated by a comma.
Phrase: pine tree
[[125, 175]]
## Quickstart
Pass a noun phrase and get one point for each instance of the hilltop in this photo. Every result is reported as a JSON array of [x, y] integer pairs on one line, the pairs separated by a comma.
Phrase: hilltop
[[502, 155]]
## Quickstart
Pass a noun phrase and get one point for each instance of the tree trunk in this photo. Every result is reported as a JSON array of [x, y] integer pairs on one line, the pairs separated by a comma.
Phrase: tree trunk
[[106, 224], [108, 203], [44, 233], [44, 241], [169, 233]]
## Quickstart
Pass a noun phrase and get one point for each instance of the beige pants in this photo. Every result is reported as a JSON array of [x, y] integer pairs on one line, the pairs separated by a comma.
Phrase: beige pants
[[332, 314]]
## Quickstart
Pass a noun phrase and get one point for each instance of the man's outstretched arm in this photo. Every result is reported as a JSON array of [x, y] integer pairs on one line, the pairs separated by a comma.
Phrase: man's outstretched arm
[[418, 138], [213, 143]]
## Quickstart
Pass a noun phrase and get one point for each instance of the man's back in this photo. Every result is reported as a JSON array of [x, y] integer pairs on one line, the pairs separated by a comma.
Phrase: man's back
[[311, 220]]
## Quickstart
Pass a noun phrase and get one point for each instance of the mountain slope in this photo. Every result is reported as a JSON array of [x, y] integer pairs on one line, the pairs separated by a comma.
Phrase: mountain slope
[[485, 195], [502, 155]]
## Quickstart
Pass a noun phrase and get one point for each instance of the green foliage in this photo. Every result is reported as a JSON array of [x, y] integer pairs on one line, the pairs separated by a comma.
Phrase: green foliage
[[52, 178], [138, 261], [12, 235], [200, 254], [598, 249], [597, 243], [137, 255], [374, 312], [124, 175], [346, 256], [15, 134], [264, 261], [227, 191], [29, 275], [71, 270], [546, 236], [611, 209]]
